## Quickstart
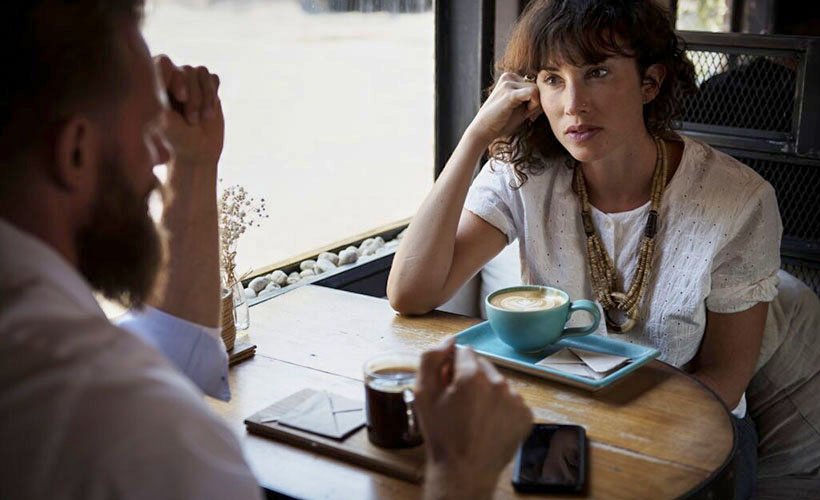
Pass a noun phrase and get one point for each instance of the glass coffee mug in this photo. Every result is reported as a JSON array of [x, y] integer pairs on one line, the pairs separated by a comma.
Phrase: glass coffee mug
[[389, 381]]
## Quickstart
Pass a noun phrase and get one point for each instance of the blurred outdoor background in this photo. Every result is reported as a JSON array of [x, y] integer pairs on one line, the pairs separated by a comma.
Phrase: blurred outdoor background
[[329, 113], [328, 105]]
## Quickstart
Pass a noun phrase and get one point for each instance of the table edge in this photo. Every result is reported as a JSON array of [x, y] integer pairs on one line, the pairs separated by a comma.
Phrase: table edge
[[703, 485]]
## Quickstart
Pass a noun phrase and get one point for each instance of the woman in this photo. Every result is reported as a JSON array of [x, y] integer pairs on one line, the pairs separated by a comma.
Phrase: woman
[[678, 242]]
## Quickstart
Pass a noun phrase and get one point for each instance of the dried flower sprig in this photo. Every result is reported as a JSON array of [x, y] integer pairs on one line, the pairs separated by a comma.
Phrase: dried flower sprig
[[238, 211]]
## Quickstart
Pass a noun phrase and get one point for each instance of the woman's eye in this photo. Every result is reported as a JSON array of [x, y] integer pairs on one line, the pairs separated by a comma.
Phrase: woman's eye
[[598, 72], [550, 79]]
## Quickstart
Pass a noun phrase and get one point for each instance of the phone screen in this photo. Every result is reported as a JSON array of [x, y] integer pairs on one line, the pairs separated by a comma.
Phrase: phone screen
[[552, 458]]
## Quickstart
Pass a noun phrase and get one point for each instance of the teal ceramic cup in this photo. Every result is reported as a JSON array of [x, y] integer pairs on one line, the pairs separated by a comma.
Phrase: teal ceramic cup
[[529, 318]]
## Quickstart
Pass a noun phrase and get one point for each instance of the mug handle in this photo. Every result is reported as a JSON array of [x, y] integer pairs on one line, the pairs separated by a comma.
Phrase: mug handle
[[412, 426], [582, 305]]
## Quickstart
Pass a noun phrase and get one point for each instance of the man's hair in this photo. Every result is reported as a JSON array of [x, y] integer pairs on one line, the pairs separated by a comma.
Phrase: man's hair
[[583, 32], [60, 57]]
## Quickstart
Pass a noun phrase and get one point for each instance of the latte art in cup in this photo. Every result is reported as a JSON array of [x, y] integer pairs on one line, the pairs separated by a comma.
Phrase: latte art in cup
[[527, 300], [528, 318]]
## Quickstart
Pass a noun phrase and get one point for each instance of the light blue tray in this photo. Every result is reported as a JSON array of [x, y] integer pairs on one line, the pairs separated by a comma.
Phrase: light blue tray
[[485, 342]]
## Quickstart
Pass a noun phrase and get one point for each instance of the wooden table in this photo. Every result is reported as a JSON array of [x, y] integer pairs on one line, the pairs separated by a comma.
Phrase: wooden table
[[657, 434]]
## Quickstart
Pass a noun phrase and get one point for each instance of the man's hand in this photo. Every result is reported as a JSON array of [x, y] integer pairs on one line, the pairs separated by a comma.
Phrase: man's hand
[[195, 125], [471, 420], [195, 128]]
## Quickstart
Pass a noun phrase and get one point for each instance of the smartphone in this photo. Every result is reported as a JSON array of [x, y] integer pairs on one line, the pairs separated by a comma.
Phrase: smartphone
[[553, 459]]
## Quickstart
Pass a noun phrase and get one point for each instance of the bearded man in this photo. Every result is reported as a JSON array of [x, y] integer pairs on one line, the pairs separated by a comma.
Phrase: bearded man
[[88, 410]]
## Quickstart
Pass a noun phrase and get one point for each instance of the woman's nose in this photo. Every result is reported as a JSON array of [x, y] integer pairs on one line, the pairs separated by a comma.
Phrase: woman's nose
[[575, 99]]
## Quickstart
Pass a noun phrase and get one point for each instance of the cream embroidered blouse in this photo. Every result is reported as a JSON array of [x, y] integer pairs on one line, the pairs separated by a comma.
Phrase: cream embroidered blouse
[[718, 244]]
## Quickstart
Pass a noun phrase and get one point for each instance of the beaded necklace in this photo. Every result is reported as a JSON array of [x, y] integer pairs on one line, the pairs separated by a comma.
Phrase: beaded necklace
[[601, 267]]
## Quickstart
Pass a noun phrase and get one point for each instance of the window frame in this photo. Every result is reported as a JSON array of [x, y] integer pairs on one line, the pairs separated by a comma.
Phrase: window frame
[[466, 36], [464, 59]]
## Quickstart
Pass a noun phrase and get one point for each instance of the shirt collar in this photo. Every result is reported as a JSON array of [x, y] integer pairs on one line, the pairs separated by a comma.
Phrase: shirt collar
[[25, 257]]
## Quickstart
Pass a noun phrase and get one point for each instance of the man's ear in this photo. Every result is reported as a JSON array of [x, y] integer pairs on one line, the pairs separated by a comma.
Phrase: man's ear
[[76, 153], [652, 81]]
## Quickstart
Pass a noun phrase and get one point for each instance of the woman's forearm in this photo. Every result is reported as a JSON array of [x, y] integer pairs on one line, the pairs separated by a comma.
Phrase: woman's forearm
[[729, 351], [729, 393], [423, 261], [423, 271]]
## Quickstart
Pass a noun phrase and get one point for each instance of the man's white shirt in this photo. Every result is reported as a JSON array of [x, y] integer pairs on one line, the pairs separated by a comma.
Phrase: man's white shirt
[[90, 411]]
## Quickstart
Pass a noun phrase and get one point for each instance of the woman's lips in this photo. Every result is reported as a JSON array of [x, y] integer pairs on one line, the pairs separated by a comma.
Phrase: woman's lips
[[582, 134]]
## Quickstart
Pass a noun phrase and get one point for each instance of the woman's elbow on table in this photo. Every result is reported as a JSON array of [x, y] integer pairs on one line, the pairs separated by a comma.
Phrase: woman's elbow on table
[[407, 301]]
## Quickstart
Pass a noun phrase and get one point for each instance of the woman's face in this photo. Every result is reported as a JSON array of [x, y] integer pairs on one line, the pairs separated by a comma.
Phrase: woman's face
[[594, 110]]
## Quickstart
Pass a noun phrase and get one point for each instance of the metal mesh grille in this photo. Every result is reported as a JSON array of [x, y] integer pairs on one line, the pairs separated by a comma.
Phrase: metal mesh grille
[[798, 196], [747, 101], [808, 274], [743, 91]]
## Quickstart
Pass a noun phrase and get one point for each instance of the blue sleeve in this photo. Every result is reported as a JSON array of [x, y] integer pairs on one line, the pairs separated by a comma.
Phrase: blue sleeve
[[196, 350]]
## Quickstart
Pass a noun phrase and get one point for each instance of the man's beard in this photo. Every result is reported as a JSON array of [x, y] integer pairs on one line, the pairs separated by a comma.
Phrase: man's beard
[[121, 250]]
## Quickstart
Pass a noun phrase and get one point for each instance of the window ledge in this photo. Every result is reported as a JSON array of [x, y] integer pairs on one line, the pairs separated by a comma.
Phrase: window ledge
[[366, 274]]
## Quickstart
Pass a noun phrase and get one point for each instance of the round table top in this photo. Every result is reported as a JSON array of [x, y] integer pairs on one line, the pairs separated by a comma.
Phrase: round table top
[[657, 432]]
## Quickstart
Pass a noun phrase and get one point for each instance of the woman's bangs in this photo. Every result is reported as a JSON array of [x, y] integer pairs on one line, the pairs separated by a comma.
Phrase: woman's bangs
[[580, 46]]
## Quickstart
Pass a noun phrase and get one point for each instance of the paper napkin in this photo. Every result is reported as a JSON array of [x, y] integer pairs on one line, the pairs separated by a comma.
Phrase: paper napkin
[[594, 365], [323, 413]]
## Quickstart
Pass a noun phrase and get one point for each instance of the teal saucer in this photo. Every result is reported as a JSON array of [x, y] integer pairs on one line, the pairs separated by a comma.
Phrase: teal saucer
[[485, 342]]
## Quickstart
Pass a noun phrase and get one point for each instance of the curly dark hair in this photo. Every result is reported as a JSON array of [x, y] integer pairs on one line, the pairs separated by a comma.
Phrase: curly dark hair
[[584, 32]]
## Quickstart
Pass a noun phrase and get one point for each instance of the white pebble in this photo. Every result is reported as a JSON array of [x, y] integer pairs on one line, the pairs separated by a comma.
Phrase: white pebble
[[371, 245], [307, 272], [348, 256], [329, 256], [259, 283], [279, 277], [249, 293], [293, 278], [271, 287], [369, 249], [323, 266], [307, 264]]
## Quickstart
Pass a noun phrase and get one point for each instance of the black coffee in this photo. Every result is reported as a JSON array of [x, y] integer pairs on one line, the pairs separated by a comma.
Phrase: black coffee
[[388, 417]]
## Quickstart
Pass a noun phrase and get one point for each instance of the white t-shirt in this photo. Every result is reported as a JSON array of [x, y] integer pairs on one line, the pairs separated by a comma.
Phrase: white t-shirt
[[717, 248], [89, 411]]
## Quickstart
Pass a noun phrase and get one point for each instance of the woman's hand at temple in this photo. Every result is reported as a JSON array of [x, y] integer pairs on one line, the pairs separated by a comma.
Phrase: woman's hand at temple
[[513, 101]]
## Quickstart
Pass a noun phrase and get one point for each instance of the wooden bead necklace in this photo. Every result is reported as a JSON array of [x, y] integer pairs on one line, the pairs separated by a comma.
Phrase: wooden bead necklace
[[601, 267]]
